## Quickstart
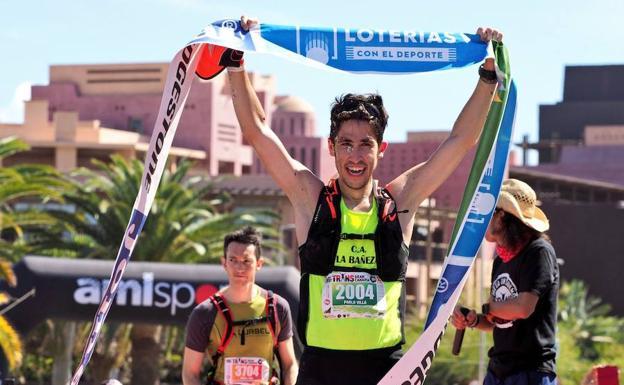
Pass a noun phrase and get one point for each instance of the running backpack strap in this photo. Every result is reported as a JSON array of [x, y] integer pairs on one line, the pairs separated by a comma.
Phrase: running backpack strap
[[219, 302], [387, 205], [272, 317], [370, 236], [223, 308], [327, 212], [274, 328], [332, 194]]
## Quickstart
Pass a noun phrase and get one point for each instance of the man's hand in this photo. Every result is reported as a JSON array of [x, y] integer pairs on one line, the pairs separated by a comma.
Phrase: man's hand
[[460, 321], [233, 58], [488, 34], [214, 58], [248, 23]]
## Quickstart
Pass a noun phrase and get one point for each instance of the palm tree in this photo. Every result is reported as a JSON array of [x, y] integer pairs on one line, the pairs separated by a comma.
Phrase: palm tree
[[10, 342], [184, 225], [28, 185], [587, 319]]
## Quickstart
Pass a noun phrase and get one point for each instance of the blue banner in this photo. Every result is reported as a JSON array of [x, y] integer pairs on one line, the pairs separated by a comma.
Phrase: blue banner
[[481, 209], [353, 50]]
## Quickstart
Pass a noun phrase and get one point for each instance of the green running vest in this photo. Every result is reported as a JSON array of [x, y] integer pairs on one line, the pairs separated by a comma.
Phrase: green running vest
[[353, 275]]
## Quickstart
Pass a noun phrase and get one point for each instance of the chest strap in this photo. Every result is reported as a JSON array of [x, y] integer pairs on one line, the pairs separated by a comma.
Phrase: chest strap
[[350, 236]]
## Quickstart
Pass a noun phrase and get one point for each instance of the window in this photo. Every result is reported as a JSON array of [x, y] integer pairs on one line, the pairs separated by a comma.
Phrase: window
[[565, 193], [581, 195], [600, 196], [226, 167], [135, 124]]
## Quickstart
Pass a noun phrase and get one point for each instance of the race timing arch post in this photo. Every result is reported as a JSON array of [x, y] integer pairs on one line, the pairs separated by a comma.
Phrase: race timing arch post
[[150, 292]]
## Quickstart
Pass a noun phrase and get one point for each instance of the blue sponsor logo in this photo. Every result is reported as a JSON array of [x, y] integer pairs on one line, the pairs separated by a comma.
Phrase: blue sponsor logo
[[443, 285]]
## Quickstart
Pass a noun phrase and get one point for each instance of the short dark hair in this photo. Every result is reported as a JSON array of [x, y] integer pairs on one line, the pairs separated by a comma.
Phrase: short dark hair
[[247, 236], [366, 107], [515, 233]]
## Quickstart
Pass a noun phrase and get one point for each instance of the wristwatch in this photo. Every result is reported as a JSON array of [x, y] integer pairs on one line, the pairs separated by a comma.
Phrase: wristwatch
[[485, 309], [487, 76]]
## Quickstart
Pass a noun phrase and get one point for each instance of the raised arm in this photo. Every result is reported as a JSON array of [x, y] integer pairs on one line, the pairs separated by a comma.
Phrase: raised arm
[[417, 183], [297, 181]]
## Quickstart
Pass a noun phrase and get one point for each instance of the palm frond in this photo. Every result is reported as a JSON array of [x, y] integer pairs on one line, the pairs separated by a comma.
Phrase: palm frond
[[6, 273], [11, 145], [186, 222], [10, 343], [4, 298], [17, 220]]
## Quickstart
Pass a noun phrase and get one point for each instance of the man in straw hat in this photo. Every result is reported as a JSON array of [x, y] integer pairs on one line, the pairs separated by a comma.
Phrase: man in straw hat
[[522, 308]]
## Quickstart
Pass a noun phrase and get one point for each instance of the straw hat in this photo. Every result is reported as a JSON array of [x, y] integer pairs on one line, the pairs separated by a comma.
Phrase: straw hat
[[518, 199]]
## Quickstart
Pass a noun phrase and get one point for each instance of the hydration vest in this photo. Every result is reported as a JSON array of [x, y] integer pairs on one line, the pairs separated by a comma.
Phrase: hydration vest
[[270, 318], [318, 255]]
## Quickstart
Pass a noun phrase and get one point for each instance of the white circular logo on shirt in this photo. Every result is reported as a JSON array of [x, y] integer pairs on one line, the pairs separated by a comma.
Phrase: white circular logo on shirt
[[503, 288]]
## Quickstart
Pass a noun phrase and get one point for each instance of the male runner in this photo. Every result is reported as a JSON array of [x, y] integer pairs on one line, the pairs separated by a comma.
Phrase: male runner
[[354, 234], [260, 321]]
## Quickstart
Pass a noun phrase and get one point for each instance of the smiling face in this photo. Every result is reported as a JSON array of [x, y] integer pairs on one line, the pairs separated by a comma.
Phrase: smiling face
[[356, 153], [241, 263]]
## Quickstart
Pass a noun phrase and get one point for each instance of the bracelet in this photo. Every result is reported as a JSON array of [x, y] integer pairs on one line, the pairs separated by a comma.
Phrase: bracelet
[[485, 309], [487, 76]]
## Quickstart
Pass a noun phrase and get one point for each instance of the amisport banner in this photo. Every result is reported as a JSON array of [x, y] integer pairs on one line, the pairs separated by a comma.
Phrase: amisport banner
[[350, 50], [476, 209]]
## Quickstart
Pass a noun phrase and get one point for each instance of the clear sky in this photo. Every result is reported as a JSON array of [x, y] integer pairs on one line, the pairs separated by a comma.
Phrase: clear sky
[[542, 36]]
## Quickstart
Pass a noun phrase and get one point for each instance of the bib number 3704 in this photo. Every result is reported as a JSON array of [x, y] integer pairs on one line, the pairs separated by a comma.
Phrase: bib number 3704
[[246, 370]]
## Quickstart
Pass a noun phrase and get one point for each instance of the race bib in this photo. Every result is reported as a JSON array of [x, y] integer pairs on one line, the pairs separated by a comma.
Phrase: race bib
[[353, 295], [246, 370]]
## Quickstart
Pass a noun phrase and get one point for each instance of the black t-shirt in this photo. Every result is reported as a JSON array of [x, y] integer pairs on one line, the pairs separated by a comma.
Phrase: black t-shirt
[[526, 344]]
